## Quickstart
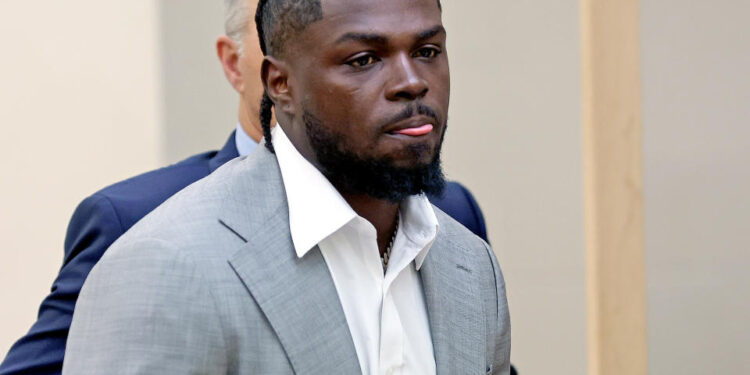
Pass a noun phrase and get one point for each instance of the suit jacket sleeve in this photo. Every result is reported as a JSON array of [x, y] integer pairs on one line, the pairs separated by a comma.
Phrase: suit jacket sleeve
[[146, 309], [95, 225]]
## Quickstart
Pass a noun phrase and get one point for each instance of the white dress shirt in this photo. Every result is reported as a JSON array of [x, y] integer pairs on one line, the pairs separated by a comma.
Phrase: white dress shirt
[[386, 314]]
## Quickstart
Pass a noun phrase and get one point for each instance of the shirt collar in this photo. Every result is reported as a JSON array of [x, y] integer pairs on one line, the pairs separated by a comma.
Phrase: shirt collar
[[317, 209], [245, 144], [419, 224]]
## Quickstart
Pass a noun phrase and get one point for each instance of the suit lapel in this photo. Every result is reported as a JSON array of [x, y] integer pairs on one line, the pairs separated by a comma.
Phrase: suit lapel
[[455, 309], [297, 296]]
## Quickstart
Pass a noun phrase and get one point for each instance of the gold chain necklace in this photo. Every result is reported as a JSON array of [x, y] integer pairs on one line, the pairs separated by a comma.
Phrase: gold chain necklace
[[387, 254]]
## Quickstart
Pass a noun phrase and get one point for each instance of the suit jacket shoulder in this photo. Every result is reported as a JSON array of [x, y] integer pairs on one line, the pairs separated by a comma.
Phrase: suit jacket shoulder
[[476, 296], [169, 277]]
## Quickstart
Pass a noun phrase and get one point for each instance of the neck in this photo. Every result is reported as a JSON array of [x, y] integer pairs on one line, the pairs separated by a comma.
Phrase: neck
[[250, 122], [380, 213]]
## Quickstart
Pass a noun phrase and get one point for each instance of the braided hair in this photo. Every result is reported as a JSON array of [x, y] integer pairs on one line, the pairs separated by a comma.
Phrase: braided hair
[[266, 105]]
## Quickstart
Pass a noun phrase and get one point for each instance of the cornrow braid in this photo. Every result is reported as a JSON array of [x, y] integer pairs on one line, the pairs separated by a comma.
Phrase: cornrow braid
[[266, 104], [266, 107]]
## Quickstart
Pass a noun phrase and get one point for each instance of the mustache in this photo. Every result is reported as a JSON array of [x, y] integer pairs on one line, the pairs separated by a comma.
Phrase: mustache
[[417, 108]]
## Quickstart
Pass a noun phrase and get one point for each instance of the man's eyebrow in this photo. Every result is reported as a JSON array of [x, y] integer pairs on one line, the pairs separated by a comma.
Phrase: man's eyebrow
[[367, 38], [431, 32], [372, 38]]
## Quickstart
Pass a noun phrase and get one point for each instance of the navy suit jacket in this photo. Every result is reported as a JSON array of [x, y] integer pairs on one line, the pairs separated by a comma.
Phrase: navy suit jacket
[[103, 217]]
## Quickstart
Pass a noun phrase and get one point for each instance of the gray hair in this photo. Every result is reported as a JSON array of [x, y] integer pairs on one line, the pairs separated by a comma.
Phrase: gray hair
[[236, 18]]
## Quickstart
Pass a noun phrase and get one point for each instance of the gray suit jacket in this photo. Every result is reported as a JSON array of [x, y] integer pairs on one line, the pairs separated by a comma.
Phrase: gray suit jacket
[[209, 283]]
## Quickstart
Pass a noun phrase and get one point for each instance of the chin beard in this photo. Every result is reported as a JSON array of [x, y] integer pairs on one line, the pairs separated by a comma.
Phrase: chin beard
[[377, 177]]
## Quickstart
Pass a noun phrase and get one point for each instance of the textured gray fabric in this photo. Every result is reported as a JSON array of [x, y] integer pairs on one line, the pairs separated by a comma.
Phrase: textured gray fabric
[[209, 283]]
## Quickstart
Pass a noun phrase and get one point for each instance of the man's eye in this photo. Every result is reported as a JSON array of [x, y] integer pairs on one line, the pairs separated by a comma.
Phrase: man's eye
[[427, 53], [362, 61]]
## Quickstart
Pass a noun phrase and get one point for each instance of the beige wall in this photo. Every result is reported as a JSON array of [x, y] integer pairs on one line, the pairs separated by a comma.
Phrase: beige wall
[[696, 116], [79, 109], [200, 107], [514, 139]]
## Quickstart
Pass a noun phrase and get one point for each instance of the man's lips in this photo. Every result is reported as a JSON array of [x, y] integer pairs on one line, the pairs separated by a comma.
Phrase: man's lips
[[416, 126], [416, 131]]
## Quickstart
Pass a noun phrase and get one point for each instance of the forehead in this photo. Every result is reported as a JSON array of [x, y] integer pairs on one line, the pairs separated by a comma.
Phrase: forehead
[[385, 17]]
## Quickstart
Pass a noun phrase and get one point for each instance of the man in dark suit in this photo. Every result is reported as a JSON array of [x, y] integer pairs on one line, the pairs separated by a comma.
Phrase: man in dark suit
[[104, 216]]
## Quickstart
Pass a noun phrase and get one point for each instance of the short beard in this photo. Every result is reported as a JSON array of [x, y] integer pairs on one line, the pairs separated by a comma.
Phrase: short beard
[[376, 177]]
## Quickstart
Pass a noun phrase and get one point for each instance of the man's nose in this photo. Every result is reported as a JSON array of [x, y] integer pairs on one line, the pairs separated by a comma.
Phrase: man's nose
[[406, 82]]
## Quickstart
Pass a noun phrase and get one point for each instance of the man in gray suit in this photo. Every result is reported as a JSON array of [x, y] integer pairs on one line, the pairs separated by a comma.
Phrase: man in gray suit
[[319, 253]]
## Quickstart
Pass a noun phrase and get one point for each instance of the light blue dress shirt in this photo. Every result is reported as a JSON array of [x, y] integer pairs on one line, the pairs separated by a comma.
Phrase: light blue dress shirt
[[245, 144]]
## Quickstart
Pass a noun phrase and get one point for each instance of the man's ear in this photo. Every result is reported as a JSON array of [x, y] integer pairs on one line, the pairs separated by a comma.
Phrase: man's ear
[[275, 76], [228, 52]]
